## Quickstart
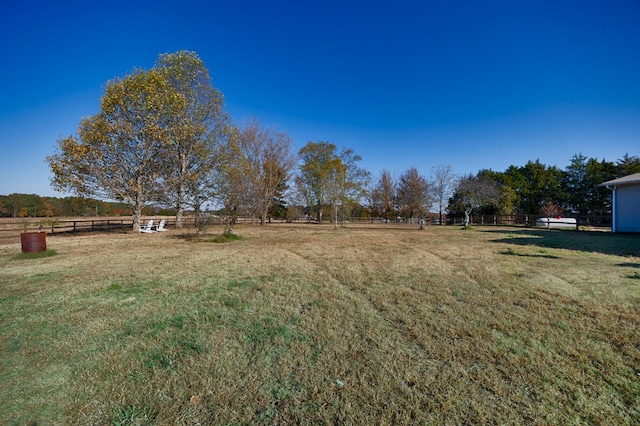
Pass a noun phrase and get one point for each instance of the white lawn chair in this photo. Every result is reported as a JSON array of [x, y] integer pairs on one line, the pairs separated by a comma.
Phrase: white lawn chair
[[161, 227], [148, 228]]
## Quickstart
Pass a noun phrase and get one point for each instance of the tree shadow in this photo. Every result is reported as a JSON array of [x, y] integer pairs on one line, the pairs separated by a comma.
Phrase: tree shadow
[[541, 254], [629, 264], [593, 242], [634, 275]]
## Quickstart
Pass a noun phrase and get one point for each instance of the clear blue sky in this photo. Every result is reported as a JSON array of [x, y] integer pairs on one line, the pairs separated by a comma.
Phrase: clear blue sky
[[474, 84]]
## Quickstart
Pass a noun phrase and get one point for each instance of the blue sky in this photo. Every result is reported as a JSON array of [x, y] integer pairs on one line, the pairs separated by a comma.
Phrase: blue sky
[[474, 84]]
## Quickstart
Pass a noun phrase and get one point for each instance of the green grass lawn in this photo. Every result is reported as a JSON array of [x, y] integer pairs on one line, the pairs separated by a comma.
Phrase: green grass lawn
[[306, 325]]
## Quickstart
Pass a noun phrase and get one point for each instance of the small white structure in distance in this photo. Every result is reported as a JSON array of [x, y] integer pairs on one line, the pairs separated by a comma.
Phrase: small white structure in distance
[[557, 223]]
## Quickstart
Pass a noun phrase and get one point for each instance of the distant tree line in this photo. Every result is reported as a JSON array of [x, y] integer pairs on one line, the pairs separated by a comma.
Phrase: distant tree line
[[162, 138], [33, 205], [536, 188]]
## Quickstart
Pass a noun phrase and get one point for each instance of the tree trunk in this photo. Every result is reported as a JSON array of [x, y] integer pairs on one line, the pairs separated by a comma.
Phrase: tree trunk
[[136, 203], [466, 219], [231, 222], [181, 191], [264, 209], [179, 206], [137, 215], [179, 217]]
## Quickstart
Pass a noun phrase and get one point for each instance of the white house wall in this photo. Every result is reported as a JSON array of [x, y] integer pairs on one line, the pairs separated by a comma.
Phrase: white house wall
[[627, 209]]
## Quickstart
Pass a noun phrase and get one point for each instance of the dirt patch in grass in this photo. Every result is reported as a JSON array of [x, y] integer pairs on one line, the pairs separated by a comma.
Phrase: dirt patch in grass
[[308, 325]]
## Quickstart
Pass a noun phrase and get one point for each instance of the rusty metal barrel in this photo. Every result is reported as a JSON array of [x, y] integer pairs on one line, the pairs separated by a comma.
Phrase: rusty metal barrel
[[33, 242]]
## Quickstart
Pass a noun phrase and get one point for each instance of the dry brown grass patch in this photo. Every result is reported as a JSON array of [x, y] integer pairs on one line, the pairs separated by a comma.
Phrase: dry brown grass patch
[[307, 325]]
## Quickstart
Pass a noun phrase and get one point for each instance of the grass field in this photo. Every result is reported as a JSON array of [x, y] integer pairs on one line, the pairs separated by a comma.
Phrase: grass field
[[307, 325]]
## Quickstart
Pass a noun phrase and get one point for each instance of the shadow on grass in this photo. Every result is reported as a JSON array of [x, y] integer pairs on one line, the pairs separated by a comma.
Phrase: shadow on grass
[[209, 238], [511, 252], [594, 242], [629, 265]]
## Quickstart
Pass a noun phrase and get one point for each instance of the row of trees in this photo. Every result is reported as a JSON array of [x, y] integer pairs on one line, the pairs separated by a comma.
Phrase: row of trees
[[528, 189], [534, 188], [162, 137], [331, 183], [33, 205]]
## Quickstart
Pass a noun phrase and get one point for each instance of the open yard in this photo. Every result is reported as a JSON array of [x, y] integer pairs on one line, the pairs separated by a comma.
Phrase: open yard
[[307, 325]]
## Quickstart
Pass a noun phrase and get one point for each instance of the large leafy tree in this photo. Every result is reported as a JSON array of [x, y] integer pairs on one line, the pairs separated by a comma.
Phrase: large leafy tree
[[329, 180], [534, 185], [413, 193], [195, 131], [507, 200], [628, 165], [583, 177], [349, 184], [600, 196], [577, 184], [320, 165], [119, 153], [230, 183]]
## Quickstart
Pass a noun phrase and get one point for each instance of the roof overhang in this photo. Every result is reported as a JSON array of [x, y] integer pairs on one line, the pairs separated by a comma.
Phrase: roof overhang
[[626, 180]]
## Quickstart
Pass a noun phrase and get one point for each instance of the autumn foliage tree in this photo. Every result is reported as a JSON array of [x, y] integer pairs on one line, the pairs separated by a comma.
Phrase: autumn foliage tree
[[230, 184], [320, 164], [330, 180], [551, 210], [267, 162], [154, 139], [118, 154], [349, 184], [413, 193], [196, 130], [384, 195]]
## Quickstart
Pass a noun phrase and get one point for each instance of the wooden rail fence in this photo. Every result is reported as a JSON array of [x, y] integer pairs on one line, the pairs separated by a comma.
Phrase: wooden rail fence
[[10, 226], [60, 225]]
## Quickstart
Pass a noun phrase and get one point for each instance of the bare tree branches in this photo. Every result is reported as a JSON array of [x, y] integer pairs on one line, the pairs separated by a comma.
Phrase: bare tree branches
[[473, 192], [413, 193], [267, 162], [443, 183]]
